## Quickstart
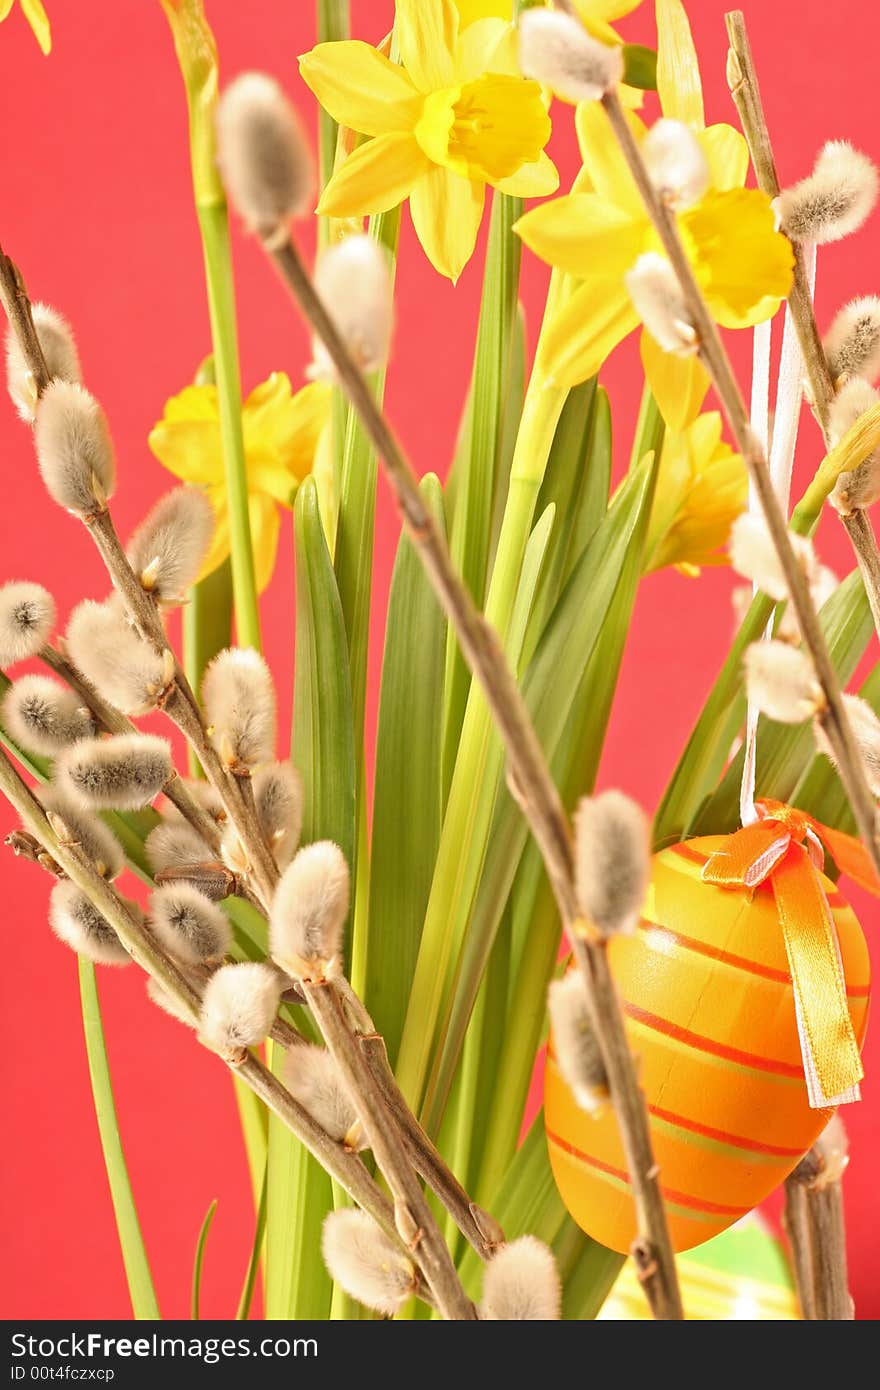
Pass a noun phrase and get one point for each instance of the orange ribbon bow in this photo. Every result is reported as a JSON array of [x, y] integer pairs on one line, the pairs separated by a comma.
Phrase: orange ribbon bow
[[786, 846]]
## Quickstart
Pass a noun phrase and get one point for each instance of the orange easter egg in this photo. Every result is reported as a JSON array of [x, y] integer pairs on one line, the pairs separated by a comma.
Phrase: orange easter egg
[[706, 990]]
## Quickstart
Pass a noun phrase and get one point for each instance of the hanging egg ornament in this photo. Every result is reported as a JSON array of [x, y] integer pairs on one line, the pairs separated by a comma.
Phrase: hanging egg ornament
[[706, 986]]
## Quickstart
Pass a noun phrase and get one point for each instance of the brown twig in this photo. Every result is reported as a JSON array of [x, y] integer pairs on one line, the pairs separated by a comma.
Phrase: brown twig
[[815, 1225], [544, 809], [834, 717]]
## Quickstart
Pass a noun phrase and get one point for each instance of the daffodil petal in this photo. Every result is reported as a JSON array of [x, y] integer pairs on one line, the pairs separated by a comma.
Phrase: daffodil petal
[[427, 31], [608, 10], [678, 384], [446, 211], [603, 161], [471, 10], [186, 440], [587, 326], [584, 234], [5, 9], [678, 72], [743, 265], [536, 180], [728, 155], [375, 177], [218, 550], [489, 45], [37, 18], [281, 432], [360, 87], [265, 525]]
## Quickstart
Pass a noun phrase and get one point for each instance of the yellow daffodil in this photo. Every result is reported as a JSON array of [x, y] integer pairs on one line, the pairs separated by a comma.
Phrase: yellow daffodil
[[453, 116], [595, 15], [36, 17], [702, 488], [598, 231], [282, 432]]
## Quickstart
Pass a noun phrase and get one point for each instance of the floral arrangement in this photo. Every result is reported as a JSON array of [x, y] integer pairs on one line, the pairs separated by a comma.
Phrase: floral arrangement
[[380, 973]]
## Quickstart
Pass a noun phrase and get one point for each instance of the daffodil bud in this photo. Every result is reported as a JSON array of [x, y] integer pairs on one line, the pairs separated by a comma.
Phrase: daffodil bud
[[278, 799], [44, 716], [314, 1080], [521, 1283], [74, 449], [365, 1262], [27, 617], [558, 52], [612, 861], [865, 730], [129, 673], [574, 1041], [753, 554], [309, 911], [834, 200], [77, 922], [852, 343], [122, 773], [81, 829], [782, 683], [190, 927], [263, 154], [167, 549], [239, 700], [354, 282], [173, 844], [55, 337], [238, 1008], [676, 164], [660, 303]]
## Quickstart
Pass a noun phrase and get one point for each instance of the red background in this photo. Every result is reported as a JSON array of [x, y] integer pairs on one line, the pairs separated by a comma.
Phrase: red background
[[95, 203]]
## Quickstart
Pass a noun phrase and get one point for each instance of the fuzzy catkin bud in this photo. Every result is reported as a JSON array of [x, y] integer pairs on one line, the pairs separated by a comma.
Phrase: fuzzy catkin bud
[[858, 487], [279, 802], [239, 700], [753, 554], [521, 1284], [852, 343], [263, 155], [612, 861], [866, 731], [27, 617], [309, 911], [167, 549], [676, 164], [78, 923], [44, 716], [834, 200], [657, 295], [87, 832], [823, 583], [173, 844], [122, 773], [574, 1041], [781, 682], [192, 928], [74, 449], [354, 282], [238, 1008], [365, 1262], [205, 795], [104, 647], [55, 337], [314, 1080], [854, 397], [168, 1004], [557, 51]]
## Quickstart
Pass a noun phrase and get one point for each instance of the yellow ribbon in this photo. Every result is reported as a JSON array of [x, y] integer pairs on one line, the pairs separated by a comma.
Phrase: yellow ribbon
[[786, 846]]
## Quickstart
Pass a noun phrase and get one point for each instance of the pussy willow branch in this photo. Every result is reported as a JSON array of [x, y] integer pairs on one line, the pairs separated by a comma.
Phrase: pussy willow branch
[[742, 79], [544, 809], [416, 1224], [714, 357], [816, 1229]]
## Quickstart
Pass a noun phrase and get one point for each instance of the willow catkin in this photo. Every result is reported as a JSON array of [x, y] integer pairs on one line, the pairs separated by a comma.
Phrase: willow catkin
[[239, 699], [612, 861], [123, 773], [77, 922], [82, 830], [129, 673], [44, 716], [365, 1262], [74, 449], [56, 340], [27, 617], [168, 547], [657, 295], [556, 50], [834, 200], [192, 929], [309, 911], [263, 154], [239, 1007], [521, 1283], [315, 1082]]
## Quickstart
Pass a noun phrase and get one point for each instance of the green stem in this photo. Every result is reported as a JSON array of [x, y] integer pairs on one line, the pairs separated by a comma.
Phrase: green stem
[[128, 1226], [333, 25], [199, 1261]]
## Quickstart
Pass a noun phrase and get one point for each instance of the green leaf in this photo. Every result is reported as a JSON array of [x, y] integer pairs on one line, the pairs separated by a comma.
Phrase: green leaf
[[298, 1197], [199, 1260], [333, 25], [470, 527], [128, 1226], [250, 1278], [407, 809], [640, 67], [207, 629]]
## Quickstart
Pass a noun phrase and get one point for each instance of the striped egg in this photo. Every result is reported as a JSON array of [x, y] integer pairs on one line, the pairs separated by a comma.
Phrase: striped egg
[[706, 990]]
